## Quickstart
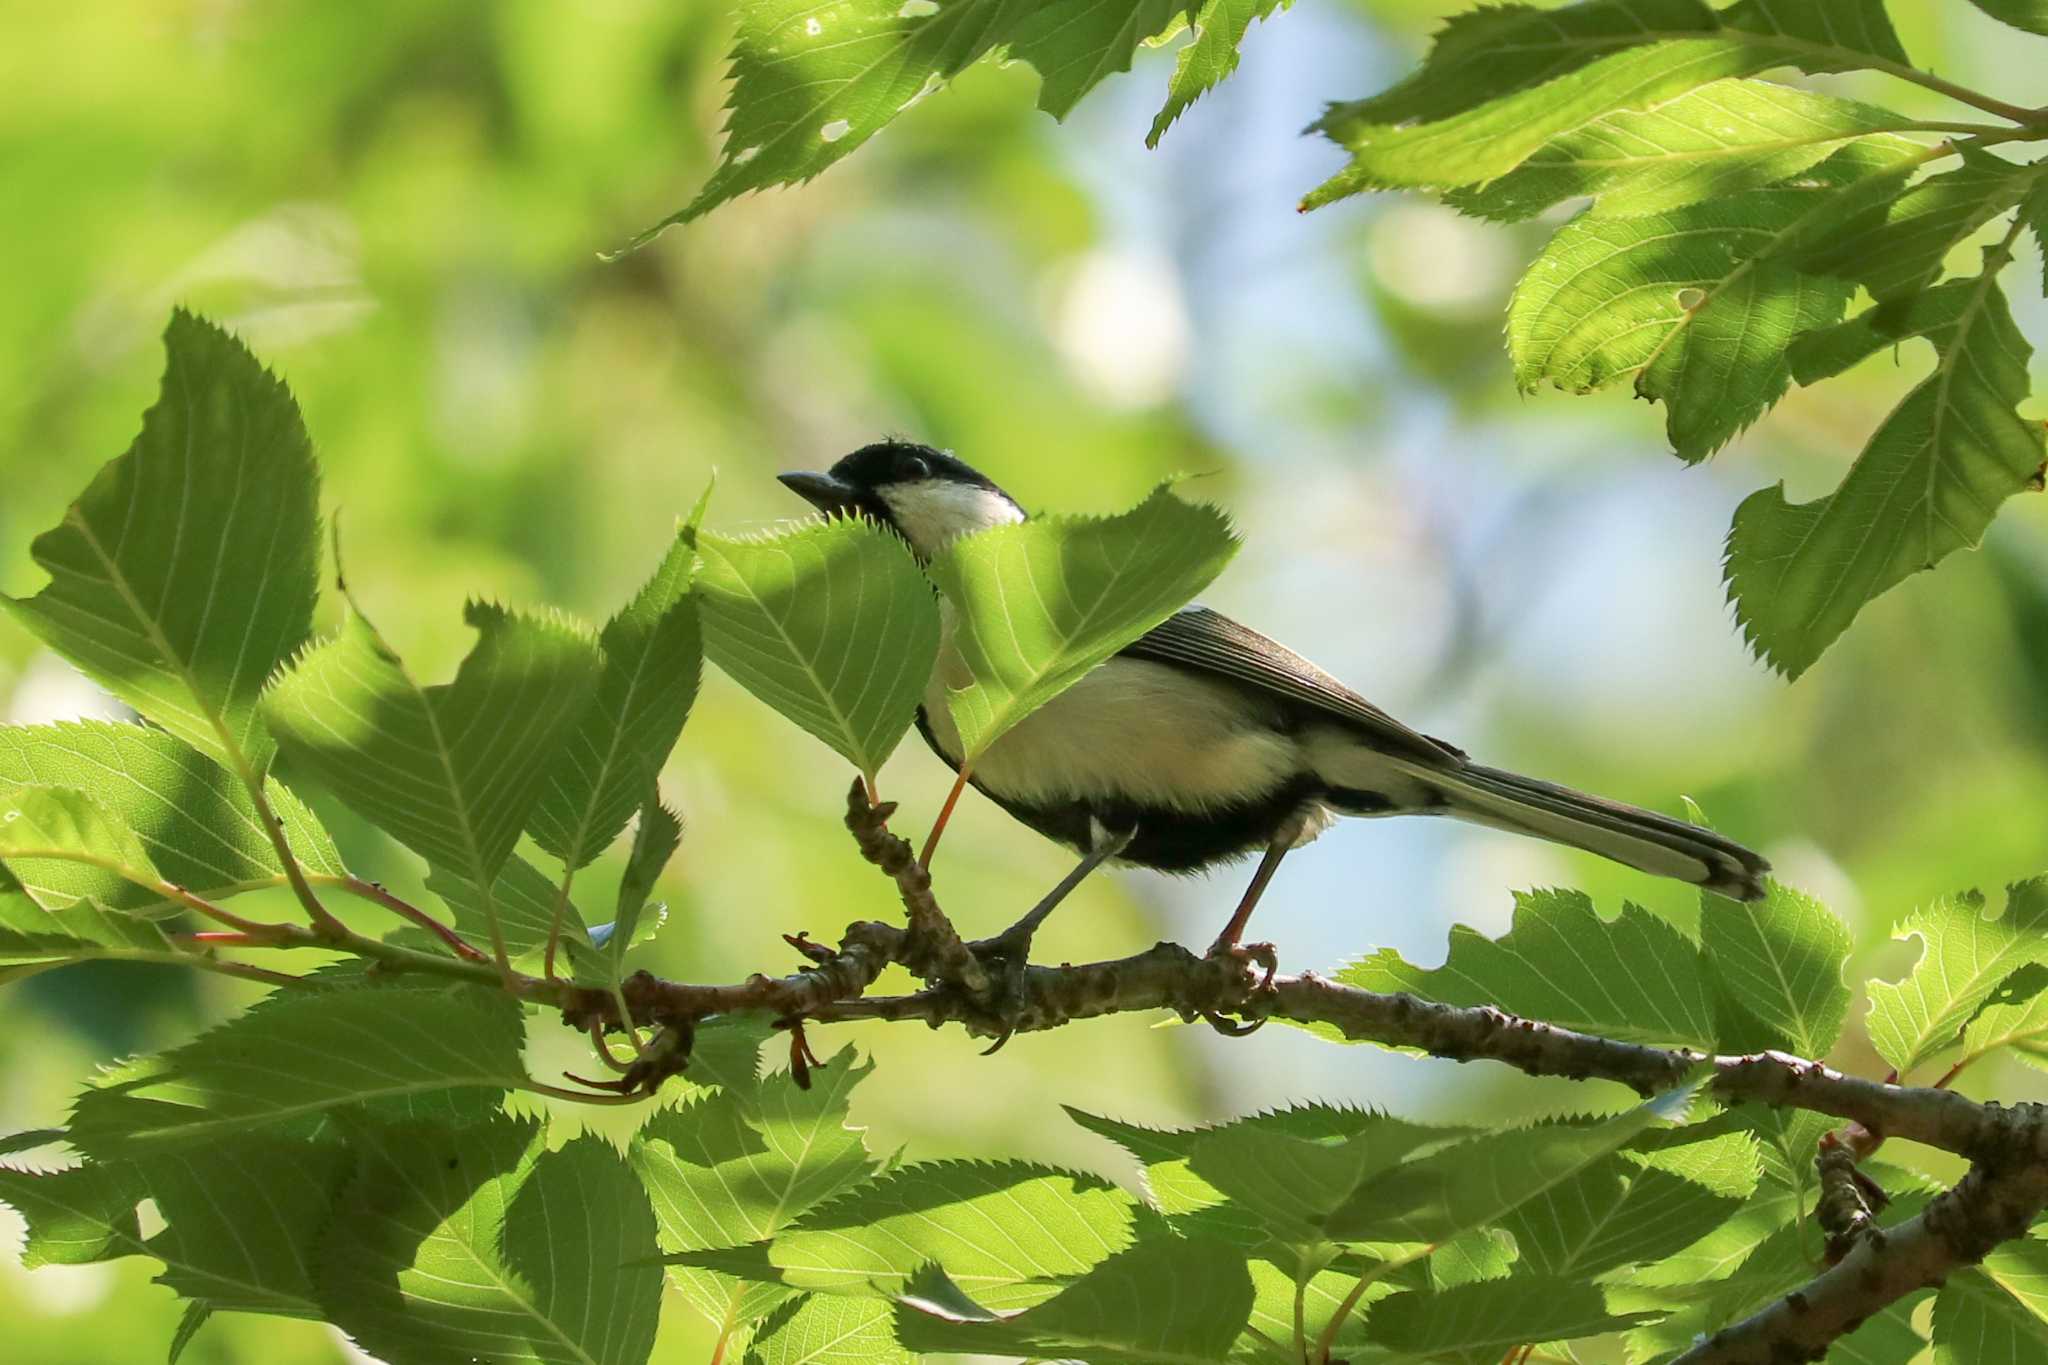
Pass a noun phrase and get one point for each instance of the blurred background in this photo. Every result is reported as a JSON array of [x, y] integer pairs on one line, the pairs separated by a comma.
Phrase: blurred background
[[401, 207]]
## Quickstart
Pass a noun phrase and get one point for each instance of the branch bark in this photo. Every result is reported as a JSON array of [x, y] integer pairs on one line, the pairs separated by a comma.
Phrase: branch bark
[[2004, 1191]]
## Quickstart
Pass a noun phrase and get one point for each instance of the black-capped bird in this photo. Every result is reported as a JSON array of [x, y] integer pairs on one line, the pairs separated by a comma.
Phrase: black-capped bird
[[1205, 741]]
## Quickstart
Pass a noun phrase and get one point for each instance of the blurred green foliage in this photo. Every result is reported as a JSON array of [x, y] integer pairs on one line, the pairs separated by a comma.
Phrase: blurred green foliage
[[402, 206]]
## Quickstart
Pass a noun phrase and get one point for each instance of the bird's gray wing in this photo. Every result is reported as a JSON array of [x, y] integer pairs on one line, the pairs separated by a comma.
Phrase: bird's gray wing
[[1211, 642]]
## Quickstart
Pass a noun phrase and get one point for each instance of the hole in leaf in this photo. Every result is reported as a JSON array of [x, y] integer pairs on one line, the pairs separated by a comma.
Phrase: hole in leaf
[[836, 129], [1691, 299]]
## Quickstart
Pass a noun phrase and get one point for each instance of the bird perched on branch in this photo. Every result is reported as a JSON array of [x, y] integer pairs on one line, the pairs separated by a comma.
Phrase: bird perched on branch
[[1205, 741]]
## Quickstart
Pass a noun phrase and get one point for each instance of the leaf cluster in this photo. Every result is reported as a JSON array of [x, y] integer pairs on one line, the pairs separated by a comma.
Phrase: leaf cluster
[[1734, 236]]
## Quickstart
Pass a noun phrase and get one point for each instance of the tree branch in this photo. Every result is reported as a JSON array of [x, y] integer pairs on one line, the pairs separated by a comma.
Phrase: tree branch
[[1995, 1202], [2006, 1188]]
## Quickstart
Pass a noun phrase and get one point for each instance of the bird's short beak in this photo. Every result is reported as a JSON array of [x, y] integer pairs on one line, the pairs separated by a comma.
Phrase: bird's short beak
[[822, 491]]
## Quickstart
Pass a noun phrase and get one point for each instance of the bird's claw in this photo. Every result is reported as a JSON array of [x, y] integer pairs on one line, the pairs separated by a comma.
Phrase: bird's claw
[[1261, 955]]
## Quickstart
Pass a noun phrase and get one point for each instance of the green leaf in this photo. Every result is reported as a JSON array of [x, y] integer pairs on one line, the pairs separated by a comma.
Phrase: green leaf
[[1208, 61], [1161, 1302], [1503, 81], [478, 1244], [1001, 1230], [2015, 1016], [1697, 303], [830, 1329], [732, 1168], [1476, 1322], [76, 1216], [1720, 140], [1776, 965], [1633, 1208], [187, 569], [811, 83], [653, 655], [197, 822], [1041, 603], [452, 772], [242, 1220], [1291, 1185], [2031, 15], [1634, 977], [1272, 1314], [1964, 955], [46, 831], [828, 622], [1977, 1323], [654, 843], [2035, 212], [80, 932], [220, 1247], [1927, 484], [1168, 1153], [1481, 1181], [524, 901], [1896, 247], [411, 1051], [1998, 1313]]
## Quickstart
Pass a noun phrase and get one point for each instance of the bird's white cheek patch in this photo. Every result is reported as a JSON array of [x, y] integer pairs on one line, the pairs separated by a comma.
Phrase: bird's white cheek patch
[[935, 511]]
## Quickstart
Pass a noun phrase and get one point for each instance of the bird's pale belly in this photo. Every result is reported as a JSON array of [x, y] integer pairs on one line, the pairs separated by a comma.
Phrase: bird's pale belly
[[1140, 744]]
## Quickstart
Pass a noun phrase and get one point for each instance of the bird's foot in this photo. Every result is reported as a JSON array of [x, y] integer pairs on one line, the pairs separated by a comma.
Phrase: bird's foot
[[1007, 956], [1261, 955], [1246, 957]]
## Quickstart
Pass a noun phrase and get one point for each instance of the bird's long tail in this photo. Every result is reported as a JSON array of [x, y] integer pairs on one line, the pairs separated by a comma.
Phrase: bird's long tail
[[1629, 835]]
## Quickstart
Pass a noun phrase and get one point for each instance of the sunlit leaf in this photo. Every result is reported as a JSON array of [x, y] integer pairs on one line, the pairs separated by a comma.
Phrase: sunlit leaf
[[1997, 1313], [45, 831], [1002, 1230], [187, 570], [29, 933], [1633, 977], [1291, 1185], [653, 654], [2031, 15], [196, 820], [2035, 211], [451, 771], [1708, 144], [479, 1244], [1504, 80], [1480, 1181], [1964, 956], [1161, 1302], [413, 1051], [76, 1216], [1209, 59], [1168, 1153], [1927, 484], [524, 900], [1897, 246], [731, 1168], [654, 843], [829, 1329], [2015, 1016], [812, 82], [1476, 1322], [1696, 304], [1633, 1208], [1777, 969], [1041, 603], [828, 622]]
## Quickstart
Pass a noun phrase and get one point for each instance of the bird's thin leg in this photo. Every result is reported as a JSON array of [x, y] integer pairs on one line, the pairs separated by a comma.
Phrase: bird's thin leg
[[1014, 943], [1268, 865]]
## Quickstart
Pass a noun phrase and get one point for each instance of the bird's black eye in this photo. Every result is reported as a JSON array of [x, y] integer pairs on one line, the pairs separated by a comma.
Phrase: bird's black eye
[[912, 469]]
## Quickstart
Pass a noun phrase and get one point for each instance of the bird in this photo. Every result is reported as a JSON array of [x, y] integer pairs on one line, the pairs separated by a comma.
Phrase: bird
[[1204, 742]]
